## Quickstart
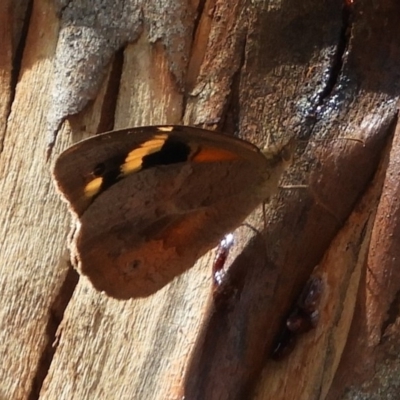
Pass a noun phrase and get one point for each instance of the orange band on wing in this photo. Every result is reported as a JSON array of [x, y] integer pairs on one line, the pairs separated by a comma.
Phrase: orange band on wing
[[93, 187], [213, 154]]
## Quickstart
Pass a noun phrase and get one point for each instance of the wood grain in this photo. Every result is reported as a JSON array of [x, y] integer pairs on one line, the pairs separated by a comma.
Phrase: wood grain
[[265, 72]]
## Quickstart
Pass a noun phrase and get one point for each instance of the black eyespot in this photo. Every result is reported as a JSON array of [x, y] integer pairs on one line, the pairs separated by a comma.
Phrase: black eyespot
[[99, 170], [109, 170]]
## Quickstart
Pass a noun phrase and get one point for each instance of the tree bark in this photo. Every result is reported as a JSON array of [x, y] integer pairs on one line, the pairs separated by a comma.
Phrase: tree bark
[[323, 72]]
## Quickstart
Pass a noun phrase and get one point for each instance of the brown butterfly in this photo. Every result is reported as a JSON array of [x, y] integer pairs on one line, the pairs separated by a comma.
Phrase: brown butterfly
[[148, 202]]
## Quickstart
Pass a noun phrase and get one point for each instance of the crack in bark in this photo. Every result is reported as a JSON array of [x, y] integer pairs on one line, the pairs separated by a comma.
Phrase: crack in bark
[[56, 314], [338, 59], [200, 10], [231, 115], [16, 63], [393, 313], [109, 106]]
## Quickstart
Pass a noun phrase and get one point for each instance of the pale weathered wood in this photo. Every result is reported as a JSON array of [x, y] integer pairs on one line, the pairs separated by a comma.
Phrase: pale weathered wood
[[31, 273], [258, 70], [6, 60]]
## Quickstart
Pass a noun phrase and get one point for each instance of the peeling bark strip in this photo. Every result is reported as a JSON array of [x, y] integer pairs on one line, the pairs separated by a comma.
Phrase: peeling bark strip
[[90, 36], [263, 70]]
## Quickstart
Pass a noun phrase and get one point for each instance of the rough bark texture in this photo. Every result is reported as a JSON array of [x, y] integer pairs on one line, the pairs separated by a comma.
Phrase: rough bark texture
[[260, 70]]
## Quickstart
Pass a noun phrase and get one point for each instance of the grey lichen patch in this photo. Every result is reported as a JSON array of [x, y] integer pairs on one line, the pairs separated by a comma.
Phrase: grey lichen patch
[[384, 385], [90, 34]]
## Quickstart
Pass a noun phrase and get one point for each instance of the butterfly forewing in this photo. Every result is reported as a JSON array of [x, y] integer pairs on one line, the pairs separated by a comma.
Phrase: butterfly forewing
[[105, 155]]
